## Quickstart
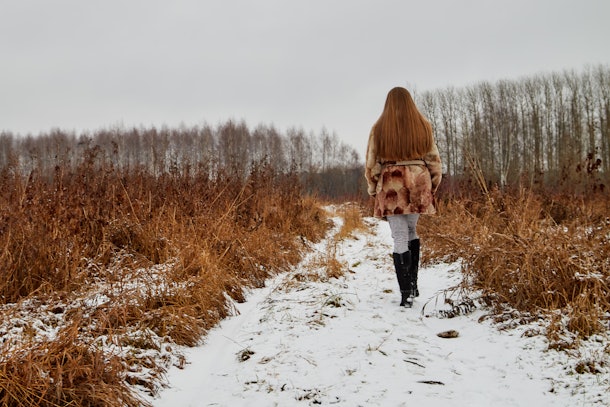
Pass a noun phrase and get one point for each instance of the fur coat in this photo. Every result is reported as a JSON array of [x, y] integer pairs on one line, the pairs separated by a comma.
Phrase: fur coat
[[402, 189]]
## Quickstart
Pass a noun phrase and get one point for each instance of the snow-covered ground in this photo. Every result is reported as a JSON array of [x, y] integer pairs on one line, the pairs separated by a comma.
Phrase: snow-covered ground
[[346, 342]]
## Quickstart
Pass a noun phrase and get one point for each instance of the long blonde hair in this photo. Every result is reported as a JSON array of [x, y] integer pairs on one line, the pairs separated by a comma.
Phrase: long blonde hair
[[402, 132]]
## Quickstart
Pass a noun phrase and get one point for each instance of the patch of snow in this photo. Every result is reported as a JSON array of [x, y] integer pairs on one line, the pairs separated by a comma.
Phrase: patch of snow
[[346, 342]]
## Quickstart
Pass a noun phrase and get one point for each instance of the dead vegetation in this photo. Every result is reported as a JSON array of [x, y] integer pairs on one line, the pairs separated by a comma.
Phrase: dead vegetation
[[103, 272], [540, 255], [322, 266]]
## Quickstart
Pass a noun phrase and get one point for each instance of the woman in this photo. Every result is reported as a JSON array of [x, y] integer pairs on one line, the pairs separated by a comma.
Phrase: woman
[[403, 172]]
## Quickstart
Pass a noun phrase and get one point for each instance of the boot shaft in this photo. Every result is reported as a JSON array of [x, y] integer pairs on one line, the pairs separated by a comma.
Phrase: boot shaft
[[414, 248], [402, 264], [402, 260]]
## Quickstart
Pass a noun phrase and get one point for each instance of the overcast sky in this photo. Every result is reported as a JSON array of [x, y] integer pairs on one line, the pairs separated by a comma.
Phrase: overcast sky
[[80, 65]]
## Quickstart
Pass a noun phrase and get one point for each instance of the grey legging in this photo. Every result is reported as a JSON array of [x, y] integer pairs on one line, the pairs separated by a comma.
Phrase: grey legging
[[404, 229]]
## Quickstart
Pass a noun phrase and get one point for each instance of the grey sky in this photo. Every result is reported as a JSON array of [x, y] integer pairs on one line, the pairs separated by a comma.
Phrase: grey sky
[[77, 64]]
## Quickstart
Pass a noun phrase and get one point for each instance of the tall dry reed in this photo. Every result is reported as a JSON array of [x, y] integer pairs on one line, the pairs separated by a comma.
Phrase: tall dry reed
[[533, 253], [132, 260]]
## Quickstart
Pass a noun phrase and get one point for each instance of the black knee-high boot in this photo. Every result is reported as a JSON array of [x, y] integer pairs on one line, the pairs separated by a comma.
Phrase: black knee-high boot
[[402, 263], [414, 246]]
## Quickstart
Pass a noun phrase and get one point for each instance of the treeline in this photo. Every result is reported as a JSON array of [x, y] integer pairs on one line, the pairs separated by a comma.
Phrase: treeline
[[325, 165], [547, 131], [544, 131]]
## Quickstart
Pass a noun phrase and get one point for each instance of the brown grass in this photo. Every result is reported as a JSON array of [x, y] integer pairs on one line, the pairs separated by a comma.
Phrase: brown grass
[[532, 253], [322, 266], [352, 221], [64, 371], [134, 261]]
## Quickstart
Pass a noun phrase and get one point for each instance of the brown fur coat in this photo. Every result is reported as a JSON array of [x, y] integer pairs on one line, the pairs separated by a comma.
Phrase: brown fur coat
[[401, 189]]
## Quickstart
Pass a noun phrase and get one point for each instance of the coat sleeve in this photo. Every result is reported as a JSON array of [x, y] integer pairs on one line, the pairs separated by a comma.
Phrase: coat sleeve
[[372, 166], [433, 162]]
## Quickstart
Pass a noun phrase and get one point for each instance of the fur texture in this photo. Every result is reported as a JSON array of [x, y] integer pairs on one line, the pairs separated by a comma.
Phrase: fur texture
[[400, 189]]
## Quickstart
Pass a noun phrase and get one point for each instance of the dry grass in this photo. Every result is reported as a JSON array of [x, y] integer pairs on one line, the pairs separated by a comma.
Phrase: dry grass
[[536, 254], [352, 221], [122, 266], [322, 266], [62, 372]]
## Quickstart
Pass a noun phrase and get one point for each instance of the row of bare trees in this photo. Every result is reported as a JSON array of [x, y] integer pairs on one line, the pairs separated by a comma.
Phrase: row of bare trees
[[550, 130], [324, 163], [547, 131]]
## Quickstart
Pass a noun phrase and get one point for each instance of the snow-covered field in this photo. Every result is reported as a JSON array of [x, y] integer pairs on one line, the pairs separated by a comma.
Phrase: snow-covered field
[[346, 342]]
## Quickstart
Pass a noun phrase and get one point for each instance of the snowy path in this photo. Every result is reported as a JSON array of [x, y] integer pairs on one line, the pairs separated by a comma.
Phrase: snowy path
[[346, 342]]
